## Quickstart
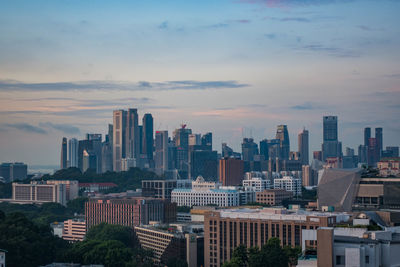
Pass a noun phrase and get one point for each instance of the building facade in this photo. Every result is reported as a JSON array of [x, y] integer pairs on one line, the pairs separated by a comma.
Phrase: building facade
[[289, 184], [74, 230], [273, 197], [231, 171], [224, 230], [129, 211]]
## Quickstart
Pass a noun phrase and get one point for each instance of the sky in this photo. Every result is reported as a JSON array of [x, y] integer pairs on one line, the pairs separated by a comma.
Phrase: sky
[[237, 68]]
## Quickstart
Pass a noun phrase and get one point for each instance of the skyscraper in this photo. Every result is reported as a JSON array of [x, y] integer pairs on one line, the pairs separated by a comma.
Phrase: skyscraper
[[181, 140], [132, 134], [283, 135], [161, 157], [249, 149], [373, 152], [231, 171], [379, 141], [206, 141], [303, 146], [119, 138], [73, 152], [148, 139], [331, 147], [63, 161], [367, 135]]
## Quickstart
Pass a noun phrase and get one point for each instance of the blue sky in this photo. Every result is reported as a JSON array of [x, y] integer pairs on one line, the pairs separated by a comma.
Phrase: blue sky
[[236, 68]]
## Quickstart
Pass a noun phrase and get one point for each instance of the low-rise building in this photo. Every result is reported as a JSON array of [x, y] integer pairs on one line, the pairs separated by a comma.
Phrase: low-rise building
[[96, 187], [289, 184], [389, 167], [74, 230], [169, 244], [352, 247], [133, 211], [256, 184], [163, 188], [273, 197], [3, 257]]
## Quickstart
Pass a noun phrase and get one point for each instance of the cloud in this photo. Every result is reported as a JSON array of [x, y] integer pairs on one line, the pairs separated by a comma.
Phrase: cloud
[[305, 106], [8, 85], [288, 19], [270, 36], [16, 112], [217, 25], [65, 128], [368, 28], [394, 75], [330, 50], [25, 127], [290, 3], [242, 21]]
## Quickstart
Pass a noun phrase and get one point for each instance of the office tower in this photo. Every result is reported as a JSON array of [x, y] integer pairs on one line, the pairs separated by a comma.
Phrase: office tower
[[331, 147], [379, 140], [393, 150], [367, 135], [264, 149], [231, 171], [303, 146], [204, 163], [148, 142], [317, 155], [161, 159], [63, 161], [89, 161], [73, 152], [132, 134], [249, 149], [95, 149], [181, 141], [194, 139], [106, 155], [362, 154], [119, 138], [283, 136], [373, 152], [206, 141], [141, 139], [13, 171]]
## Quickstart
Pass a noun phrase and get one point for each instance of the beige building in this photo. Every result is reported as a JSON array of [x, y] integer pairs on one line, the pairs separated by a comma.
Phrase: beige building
[[71, 187], [226, 229], [273, 197], [74, 230], [37, 192]]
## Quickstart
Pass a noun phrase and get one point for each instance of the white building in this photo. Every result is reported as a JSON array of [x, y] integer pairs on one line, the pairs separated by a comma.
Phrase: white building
[[193, 197], [201, 184], [3, 258], [288, 183], [256, 184], [127, 163]]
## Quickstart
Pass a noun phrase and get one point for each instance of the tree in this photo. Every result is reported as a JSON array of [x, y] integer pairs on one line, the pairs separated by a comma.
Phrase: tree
[[105, 232], [273, 254], [240, 253], [77, 205]]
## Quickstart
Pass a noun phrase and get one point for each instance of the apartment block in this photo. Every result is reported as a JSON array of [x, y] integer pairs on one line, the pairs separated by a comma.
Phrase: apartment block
[[74, 230]]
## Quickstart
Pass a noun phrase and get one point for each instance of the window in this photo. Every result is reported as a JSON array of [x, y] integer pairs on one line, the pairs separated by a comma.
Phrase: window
[[367, 259], [340, 260]]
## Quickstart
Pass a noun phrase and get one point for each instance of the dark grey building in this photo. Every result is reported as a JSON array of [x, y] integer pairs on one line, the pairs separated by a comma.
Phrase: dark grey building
[[63, 160], [331, 147], [303, 146], [147, 133], [249, 149], [367, 135], [282, 135]]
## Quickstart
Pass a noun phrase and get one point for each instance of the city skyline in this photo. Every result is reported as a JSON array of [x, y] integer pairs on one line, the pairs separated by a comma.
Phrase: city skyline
[[218, 67]]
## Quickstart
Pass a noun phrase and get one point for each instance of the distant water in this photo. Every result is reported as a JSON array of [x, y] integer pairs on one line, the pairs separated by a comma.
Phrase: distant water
[[43, 169]]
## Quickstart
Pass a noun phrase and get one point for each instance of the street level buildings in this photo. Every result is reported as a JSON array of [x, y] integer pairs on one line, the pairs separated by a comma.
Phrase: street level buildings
[[273, 197]]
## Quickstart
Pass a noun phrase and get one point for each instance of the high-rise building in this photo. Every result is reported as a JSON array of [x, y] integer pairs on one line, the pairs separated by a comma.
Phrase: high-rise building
[[204, 163], [231, 171], [317, 155], [89, 161], [331, 147], [132, 134], [73, 152], [148, 139], [303, 146], [206, 141], [161, 159], [379, 140], [249, 149], [393, 151], [362, 154], [119, 138], [367, 135], [283, 135], [63, 161], [194, 139], [106, 155], [373, 152], [181, 141]]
